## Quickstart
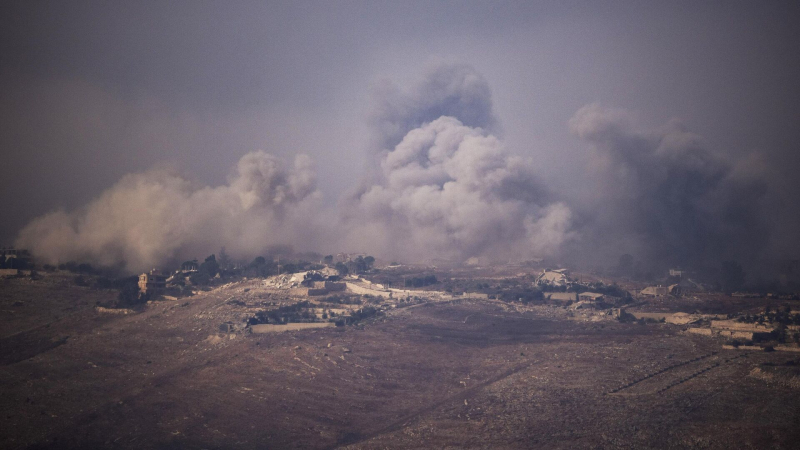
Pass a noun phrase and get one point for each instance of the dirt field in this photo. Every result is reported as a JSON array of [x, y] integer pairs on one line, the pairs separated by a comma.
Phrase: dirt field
[[472, 374]]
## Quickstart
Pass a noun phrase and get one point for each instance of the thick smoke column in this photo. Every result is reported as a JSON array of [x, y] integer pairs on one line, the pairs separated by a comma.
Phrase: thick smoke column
[[666, 197], [447, 188], [152, 218]]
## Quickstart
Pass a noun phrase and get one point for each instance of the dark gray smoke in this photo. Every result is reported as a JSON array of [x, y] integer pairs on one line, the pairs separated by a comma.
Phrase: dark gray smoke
[[665, 197]]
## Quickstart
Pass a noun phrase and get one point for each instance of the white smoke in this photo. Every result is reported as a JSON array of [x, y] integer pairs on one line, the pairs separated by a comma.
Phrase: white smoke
[[151, 218], [451, 191], [443, 186]]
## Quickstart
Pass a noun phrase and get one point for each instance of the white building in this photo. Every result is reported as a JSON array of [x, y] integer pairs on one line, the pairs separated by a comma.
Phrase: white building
[[556, 277]]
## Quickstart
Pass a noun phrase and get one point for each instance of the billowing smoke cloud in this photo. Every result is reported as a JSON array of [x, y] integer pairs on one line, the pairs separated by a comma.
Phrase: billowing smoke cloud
[[447, 188], [152, 218], [453, 90], [443, 187], [665, 197]]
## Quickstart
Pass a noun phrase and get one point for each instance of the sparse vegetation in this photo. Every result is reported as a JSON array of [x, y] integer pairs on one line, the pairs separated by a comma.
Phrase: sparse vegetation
[[341, 299], [296, 313]]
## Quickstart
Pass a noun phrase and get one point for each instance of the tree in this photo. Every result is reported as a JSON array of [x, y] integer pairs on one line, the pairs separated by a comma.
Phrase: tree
[[210, 266], [361, 264], [260, 267], [200, 278], [341, 268], [289, 268], [189, 265], [258, 261], [328, 259]]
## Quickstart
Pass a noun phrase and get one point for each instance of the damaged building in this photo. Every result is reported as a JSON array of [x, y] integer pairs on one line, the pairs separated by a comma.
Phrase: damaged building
[[152, 282], [557, 277], [13, 258], [655, 291], [311, 283]]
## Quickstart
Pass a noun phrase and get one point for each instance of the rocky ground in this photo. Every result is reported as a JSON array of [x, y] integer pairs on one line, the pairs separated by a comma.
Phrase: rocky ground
[[475, 374]]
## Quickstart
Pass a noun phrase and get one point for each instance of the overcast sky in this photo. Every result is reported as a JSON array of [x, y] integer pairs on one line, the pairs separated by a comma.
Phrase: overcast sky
[[92, 91]]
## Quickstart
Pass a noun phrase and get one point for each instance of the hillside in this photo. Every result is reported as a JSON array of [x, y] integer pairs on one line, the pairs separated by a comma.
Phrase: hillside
[[469, 373]]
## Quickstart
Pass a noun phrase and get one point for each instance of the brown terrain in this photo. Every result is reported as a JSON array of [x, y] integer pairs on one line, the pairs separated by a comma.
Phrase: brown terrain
[[457, 374]]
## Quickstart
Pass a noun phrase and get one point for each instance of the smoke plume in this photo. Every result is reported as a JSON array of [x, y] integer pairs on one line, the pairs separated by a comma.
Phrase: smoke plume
[[663, 195], [445, 186], [149, 219], [442, 185], [452, 90]]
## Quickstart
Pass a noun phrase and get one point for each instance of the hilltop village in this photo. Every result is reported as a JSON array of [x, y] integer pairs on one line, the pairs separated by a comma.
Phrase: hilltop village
[[289, 293], [313, 351], [347, 288]]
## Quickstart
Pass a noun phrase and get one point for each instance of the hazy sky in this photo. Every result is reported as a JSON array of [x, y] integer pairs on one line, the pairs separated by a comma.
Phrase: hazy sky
[[92, 91]]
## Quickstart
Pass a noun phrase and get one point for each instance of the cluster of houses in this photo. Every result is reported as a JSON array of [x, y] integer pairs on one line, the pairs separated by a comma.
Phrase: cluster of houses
[[156, 281], [575, 300], [560, 278]]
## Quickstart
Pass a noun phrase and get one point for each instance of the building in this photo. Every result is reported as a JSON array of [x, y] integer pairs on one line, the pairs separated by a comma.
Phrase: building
[[12, 258], [676, 272], [655, 291], [591, 297], [8, 253], [556, 277], [329, 285], [153, 282], [561, 296], [189, 266], [686, 286], [582, 305]]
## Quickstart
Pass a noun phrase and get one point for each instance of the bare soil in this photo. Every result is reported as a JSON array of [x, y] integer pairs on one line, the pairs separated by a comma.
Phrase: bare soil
[[470, 374]]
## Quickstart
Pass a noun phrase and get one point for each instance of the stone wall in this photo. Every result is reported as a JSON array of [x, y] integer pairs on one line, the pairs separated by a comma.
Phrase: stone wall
[[741, 326], [269, 328], [361, 290]]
